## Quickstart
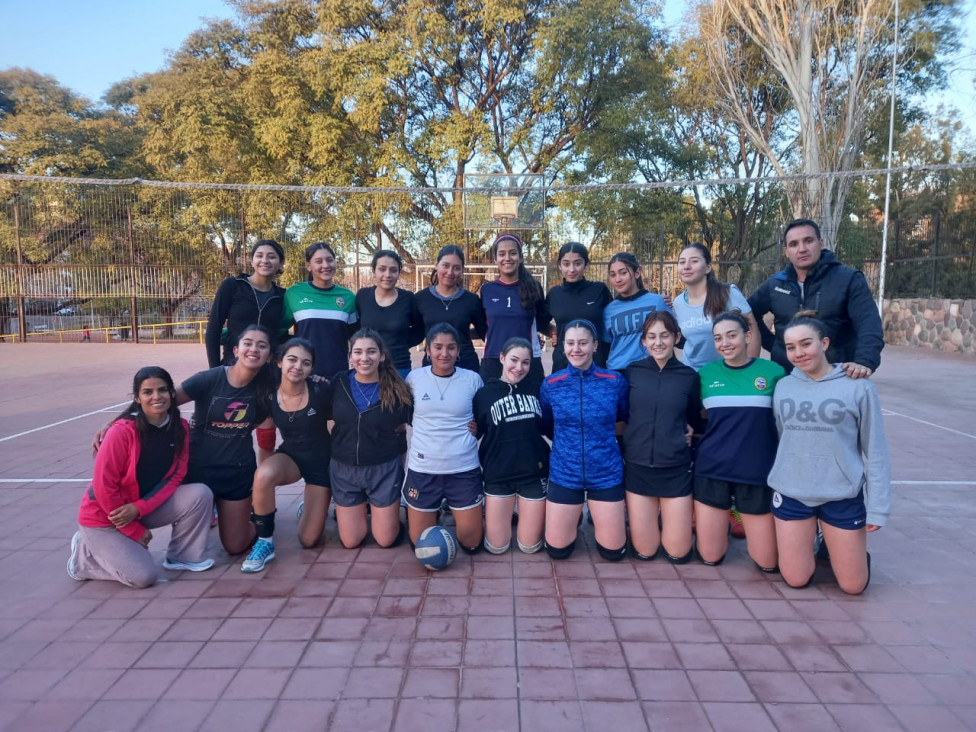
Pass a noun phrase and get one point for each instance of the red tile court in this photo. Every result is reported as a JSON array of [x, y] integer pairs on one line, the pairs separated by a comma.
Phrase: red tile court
[[368, 640]]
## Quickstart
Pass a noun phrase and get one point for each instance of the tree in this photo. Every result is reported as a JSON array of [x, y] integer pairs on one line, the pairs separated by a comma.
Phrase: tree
[[834, 61]]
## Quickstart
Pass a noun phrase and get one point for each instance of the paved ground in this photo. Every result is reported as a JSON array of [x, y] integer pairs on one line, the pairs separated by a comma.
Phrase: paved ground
[[368, 640]]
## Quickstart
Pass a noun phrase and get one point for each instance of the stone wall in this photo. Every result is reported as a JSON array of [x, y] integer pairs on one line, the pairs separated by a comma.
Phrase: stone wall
[[942, 325]]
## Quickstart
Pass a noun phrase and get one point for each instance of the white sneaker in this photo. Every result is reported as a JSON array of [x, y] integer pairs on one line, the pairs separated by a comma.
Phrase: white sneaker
[[73, 556], [188, 566], [261, 553]]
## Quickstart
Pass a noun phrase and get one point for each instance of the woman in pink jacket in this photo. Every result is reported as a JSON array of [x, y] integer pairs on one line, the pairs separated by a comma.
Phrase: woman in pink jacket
[[138, 486]]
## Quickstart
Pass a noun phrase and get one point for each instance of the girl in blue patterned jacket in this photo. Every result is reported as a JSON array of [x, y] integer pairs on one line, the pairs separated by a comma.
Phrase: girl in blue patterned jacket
[[582, 404]]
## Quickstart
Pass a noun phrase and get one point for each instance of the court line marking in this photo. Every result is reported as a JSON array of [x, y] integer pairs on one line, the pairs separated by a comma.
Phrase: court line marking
[[63, 421], [933, 482], [45, 480], [930, 424]]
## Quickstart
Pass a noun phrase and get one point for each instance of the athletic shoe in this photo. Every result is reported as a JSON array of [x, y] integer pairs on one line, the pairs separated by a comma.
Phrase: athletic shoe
[[820, 547], [301, 507], [73, 556], [736, 528], [188, 566], [213, 517], [261, 553]]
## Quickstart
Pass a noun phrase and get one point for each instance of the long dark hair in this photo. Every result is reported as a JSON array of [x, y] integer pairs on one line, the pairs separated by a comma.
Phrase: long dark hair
[[393, 389], [264, 381], [380, 253], [735, 315], [716, 291], [274, 245], [134, 411], [573, 247], [445, 251], [530, 291], [312, 248], [632, 264]]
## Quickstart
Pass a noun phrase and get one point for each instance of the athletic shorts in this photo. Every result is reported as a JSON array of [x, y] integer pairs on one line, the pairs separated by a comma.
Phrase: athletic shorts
[[426, 491], [314, 469], [674, 482], [576, 496], [749, 499], [226, 482], [492, 368], [849, 513], [529, 490], [354, 485]]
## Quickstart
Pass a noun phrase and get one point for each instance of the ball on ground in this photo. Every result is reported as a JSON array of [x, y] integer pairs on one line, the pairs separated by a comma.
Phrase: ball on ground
[[436, 547]]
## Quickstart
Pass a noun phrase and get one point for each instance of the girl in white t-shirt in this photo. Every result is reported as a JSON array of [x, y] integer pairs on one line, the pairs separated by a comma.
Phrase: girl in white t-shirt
[[442, 462]]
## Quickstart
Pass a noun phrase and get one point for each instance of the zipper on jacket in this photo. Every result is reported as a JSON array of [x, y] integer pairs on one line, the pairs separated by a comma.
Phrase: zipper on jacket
[[582, 433], [257, 300]]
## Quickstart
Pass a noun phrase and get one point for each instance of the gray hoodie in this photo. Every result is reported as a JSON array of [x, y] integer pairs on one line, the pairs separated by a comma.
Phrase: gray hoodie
[[831, 442]]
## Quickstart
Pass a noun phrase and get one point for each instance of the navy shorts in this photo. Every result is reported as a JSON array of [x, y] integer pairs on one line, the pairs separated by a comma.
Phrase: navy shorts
[[849, 513], [529, 490], [353, 485], [576, 496], [314, 469], [749, 499], [425, 491], [226, 482], [672, 482]]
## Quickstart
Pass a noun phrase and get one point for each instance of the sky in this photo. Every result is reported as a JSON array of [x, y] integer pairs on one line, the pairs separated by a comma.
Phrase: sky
[[89, 45]]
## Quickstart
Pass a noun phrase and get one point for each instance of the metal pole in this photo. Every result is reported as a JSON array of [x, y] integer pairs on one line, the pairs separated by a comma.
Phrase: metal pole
[[133, 318], [21, 300], [891, 141]]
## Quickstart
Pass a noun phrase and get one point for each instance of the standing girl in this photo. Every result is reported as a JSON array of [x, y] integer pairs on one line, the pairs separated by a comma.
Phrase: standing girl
[[582, 404], [703, 300], [300, 409], [738, 447], [442, 462], [577, 297], [446, 301], [138, 486], [246, 299], [322, 312], [390, 310], [665, 408], [228, 403], [624, 317], [371, 407], [515, 307], [514, 455], [832, 463]]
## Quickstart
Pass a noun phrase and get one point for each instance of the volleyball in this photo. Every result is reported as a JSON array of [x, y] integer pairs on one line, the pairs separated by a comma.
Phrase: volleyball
[[436, 548]]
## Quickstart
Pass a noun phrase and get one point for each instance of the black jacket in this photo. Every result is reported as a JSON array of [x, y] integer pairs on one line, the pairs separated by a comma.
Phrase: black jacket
[[365, 438], [236, 303], [662, 403], [843, 301], [571, 300], [512, 448]]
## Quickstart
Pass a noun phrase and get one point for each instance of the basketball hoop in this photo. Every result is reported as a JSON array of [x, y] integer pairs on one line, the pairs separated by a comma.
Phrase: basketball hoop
[[504, 210]]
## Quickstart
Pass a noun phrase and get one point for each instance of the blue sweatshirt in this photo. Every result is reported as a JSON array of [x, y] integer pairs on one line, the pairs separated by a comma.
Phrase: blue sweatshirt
[[623, 321], [583, 407]]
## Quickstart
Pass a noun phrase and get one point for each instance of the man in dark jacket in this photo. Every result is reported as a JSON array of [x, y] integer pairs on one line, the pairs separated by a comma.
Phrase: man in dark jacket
[[815, 280]]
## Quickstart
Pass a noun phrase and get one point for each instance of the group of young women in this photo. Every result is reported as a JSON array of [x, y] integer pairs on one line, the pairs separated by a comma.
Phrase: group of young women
[[657, 445]]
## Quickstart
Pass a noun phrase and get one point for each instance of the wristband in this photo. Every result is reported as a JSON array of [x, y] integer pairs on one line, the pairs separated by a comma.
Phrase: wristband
[[266, 438]]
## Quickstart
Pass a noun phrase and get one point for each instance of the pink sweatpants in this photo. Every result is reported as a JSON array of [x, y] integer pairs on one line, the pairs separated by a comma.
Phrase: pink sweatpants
[[108, 554]]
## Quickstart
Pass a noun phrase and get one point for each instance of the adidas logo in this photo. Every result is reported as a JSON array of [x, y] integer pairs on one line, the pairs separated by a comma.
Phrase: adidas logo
[[425, 397], [312, 412]]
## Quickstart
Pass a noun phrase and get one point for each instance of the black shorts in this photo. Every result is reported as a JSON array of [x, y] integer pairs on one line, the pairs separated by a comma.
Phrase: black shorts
[[354, 485], [426, 491], [749, 499], [226, 482], [529, 490], [575, 496], [314, 469], [674, 482], [492, 368]]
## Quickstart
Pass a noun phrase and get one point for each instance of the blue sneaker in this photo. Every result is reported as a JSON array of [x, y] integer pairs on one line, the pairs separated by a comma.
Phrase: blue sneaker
[[261, 553], [301, 508], [72, 558], [179, 566]]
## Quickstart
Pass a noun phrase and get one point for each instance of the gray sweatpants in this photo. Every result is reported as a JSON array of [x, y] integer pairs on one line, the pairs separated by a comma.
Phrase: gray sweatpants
[[106, 553]]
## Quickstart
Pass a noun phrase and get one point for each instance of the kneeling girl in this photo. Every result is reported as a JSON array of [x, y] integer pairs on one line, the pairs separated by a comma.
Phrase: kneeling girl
[[832, 463]]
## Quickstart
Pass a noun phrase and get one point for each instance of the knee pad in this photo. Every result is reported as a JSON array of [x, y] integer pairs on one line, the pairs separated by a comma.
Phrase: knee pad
[[492, 549], [264, 523], [643, 557], [706, 562], [470, 549], [800, 587], [561, 552], [680, 560], [767, 570], [530, 548], [611, 555]]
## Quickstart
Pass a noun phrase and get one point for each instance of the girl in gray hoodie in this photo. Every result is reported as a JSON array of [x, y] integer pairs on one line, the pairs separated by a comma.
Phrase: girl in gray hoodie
[[832, 462]]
